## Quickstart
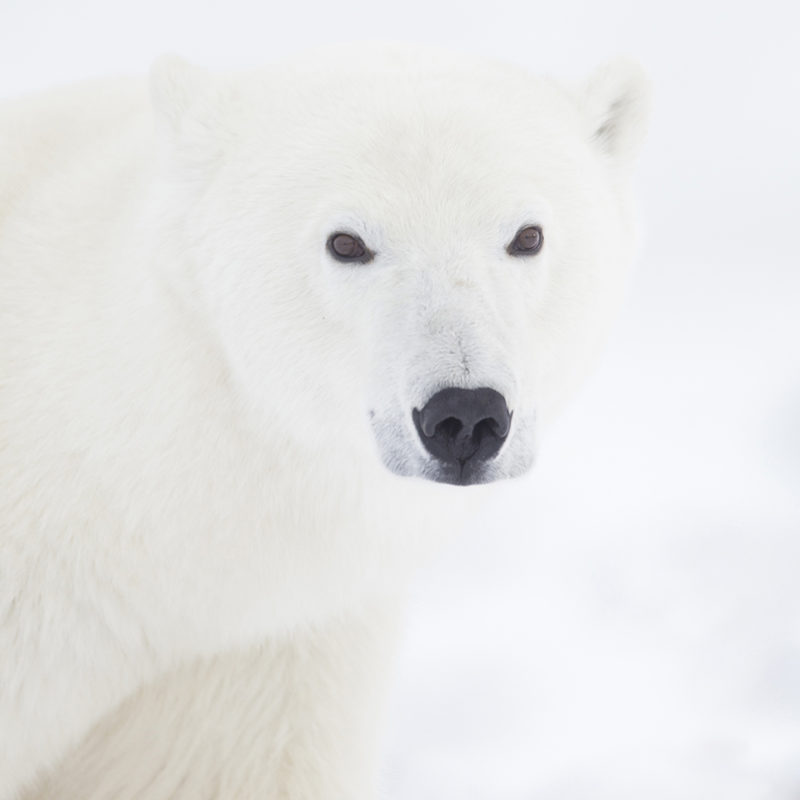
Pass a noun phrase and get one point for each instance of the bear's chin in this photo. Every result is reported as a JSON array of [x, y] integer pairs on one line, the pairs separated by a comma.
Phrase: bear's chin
[[463, 475], [454, 474]]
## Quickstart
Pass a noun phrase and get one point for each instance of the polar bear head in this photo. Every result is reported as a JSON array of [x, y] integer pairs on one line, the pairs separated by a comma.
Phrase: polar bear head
[[406, 256]]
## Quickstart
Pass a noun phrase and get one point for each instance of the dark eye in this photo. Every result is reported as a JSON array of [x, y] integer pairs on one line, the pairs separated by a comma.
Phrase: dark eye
[[348, 248], [527, 242]]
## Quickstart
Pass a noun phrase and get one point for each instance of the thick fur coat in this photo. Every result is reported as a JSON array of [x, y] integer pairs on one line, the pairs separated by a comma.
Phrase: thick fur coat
[[212, 489]]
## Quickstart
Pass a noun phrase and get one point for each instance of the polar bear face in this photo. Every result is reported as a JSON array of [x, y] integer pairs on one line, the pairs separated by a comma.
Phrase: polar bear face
[[406, 256]]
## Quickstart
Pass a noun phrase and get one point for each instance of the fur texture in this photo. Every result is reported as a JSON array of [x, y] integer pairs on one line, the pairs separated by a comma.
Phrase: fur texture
[[201, 549]]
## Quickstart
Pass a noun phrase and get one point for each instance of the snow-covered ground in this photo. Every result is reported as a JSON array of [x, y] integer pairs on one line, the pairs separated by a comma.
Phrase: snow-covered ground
[[624, 623]]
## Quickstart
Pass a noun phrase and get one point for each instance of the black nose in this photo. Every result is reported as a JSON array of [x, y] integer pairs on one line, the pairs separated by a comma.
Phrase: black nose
[[457, 425]]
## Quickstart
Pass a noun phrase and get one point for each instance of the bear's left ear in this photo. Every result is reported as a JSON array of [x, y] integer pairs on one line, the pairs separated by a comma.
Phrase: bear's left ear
[[617, 102], [189, 106], [176, 88]]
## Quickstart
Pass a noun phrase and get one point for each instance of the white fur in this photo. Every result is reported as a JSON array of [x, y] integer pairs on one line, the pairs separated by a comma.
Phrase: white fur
[[195, 398]]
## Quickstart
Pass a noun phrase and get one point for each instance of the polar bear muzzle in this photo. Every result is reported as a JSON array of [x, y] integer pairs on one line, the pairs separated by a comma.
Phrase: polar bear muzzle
[[463, 429]]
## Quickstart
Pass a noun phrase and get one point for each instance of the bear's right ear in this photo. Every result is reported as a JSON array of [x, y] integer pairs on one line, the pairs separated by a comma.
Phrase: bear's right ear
[[616, 99]]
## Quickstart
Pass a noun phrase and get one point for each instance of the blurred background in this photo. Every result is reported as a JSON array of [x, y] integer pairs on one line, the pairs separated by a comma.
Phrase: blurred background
[[624, 622]]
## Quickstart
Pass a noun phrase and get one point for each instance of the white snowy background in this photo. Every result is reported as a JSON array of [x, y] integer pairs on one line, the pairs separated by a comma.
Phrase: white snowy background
[[624, 623]]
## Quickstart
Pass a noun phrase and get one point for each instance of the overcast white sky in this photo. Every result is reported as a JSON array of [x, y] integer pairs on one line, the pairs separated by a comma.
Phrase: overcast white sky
[[625, 622]]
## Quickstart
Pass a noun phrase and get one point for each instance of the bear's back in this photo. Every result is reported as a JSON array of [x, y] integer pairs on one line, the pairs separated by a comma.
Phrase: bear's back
[[73, 168], [44, 135]]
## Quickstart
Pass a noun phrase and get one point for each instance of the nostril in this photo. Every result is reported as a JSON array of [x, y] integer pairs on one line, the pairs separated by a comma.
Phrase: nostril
[[486, 427], [449, 428]]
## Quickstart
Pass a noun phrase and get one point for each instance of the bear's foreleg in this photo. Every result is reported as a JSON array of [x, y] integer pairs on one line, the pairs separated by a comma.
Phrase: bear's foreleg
[[295, 719]]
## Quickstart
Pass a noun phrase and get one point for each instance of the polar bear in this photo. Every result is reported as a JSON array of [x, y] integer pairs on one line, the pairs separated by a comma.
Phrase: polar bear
[[258, 332]]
